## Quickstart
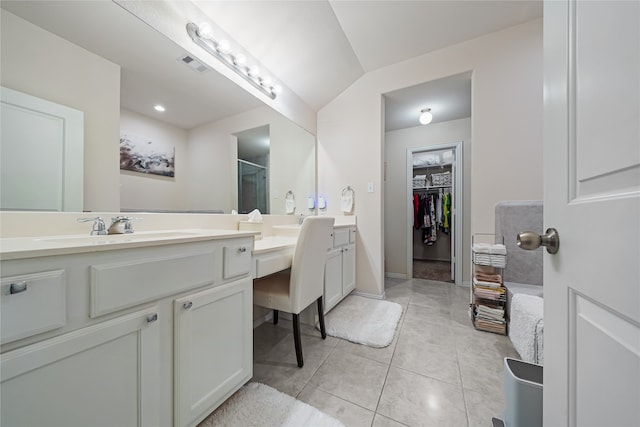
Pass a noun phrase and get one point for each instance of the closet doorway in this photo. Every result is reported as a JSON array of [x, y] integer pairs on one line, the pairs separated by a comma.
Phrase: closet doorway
[[434, 232]]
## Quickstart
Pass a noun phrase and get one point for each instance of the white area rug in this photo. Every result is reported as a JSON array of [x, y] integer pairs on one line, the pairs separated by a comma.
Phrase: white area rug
[[363, 320], [258, 405]]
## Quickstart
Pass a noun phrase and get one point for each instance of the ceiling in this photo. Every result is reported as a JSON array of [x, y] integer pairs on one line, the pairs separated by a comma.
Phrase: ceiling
[[316, 48]]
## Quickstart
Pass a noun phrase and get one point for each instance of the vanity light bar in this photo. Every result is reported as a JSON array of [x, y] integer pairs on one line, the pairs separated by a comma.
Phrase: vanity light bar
[[221, 51]]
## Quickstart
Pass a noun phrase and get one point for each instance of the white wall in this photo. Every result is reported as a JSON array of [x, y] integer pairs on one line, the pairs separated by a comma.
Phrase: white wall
[[213, 161], [506, 130], [42, 64], [397, 143], [154, 192]]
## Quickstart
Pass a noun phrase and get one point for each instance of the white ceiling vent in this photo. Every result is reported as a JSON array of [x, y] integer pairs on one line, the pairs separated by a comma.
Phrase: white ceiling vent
[[193, 63]]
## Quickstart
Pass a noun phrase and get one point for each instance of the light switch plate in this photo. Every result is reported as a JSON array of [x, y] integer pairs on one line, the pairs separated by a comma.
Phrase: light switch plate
[[370, 187]]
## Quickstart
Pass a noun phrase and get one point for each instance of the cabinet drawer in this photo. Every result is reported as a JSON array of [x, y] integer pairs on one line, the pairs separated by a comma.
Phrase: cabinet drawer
[[236, 260], [340, 237], [120, 285], [269, 264], [31, 304]]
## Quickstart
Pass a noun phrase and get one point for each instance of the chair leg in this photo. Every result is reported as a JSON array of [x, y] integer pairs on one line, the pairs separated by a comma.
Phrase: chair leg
[[323, 331], [275, 317], [297, 340]]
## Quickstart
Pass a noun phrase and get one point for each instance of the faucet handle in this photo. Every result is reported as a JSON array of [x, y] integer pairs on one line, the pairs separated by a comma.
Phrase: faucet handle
[[99, 228], [121, 225]]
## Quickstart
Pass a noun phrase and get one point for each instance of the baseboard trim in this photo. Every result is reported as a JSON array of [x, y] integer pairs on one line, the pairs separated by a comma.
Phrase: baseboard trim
[[368, 295], [395, 275], [264, 319]]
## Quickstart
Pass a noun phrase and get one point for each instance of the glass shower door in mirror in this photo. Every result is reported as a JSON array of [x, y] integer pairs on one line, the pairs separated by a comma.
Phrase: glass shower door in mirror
[[252, 187]]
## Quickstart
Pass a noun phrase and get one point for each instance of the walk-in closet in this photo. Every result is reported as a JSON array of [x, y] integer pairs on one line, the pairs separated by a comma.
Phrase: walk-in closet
[[432, 201]]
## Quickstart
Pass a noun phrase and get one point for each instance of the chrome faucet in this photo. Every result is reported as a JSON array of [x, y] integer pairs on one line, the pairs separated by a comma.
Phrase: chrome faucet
[[120, 225], [300, 219], [99, 228]]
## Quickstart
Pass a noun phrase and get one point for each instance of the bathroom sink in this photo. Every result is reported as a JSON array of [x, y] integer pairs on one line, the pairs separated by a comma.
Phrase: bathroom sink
[[118, 238]]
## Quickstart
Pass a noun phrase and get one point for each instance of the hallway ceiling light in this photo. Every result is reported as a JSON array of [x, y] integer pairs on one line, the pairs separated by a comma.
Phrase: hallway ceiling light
[[159, 108], [221, 50], [425, 116]]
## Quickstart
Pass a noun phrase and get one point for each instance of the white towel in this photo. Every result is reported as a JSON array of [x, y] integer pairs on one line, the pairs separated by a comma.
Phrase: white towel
[[526, 328], [289, 206], [488, 248], [347, 203]]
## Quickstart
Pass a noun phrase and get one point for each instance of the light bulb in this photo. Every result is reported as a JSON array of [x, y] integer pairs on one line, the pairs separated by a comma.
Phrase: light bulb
[[426, 116], [254, 71], [240, 59], [223, 46], [266, 82], [204, 30]]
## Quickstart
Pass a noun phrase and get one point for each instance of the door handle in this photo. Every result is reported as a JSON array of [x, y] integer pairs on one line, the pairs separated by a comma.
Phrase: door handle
[[529, 240]]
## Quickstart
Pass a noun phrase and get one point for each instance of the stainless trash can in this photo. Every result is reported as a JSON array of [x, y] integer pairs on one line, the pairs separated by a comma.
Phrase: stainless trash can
[[522, 393]]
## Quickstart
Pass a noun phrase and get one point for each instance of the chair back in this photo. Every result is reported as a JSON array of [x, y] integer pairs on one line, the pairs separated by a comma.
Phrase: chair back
[[307, 268]]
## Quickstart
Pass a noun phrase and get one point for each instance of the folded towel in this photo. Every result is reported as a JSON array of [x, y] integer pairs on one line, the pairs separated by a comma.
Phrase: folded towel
[[488, 277], [526, 329], [486, 284], [488, 248]]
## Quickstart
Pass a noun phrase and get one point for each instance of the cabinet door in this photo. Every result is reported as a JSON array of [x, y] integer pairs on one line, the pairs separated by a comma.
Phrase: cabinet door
[[333, 279], [348, 269], [102, 375], [213, 348]]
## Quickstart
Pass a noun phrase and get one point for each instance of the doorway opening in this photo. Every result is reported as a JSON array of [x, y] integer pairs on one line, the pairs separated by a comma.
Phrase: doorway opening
[[434, 189]]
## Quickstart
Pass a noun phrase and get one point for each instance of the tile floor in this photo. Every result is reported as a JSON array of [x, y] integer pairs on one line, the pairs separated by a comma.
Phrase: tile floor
[[438, 371]]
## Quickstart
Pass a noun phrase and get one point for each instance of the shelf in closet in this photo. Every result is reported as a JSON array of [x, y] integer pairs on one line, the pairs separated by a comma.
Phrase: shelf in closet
[[432, 187]]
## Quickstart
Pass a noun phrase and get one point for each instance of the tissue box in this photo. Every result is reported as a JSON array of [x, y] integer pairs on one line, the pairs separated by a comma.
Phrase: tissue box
[[251, 226]]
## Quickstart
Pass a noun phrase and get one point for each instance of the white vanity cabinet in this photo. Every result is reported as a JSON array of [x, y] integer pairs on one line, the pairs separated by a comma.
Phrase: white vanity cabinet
[[340, 270], [146, 336], [212, 325]]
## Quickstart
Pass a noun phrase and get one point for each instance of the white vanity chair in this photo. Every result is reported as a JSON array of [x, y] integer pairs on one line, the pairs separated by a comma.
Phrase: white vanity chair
[[294, 290]]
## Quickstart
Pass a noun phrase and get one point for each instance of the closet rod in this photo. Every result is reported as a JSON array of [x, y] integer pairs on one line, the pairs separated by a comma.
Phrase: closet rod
[[430, 190]]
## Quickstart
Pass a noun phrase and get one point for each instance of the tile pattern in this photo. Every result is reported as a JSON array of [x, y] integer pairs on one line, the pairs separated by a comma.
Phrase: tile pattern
[[438, 371]]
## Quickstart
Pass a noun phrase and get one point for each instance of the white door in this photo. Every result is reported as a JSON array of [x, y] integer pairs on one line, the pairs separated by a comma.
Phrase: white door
[[592, 197], [41, 146]]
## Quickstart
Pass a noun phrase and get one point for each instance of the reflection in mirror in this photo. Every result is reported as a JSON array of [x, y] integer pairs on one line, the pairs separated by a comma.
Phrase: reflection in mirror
[[253, 170], [97, 58]]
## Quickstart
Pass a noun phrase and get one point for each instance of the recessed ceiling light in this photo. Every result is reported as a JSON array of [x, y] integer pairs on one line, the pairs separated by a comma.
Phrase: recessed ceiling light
[[159, 108]]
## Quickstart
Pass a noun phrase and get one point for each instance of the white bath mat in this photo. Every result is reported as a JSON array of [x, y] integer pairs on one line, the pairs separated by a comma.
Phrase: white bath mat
[[363, 320], [259, 405]]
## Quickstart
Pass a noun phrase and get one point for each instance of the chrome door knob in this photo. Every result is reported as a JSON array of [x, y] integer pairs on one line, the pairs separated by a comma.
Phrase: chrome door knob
[[530, 240]]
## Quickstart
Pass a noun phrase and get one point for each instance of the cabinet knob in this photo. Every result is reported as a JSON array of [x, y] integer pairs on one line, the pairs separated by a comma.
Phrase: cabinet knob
[[187, 305], [242, 249], [152, 318], [17, 287]]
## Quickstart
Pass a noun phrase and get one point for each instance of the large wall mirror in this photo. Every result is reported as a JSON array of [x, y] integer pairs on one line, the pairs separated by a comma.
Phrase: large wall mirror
[[98, 58]]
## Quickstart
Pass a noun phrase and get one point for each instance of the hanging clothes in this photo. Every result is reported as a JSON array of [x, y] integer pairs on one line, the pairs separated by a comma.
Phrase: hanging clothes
[[416, 205], [430, 213], [447, 212]]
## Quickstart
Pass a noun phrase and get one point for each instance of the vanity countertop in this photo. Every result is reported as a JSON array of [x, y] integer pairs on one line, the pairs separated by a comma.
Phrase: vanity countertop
[[31, 247], [274, 243]]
